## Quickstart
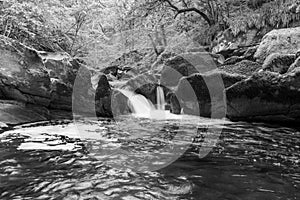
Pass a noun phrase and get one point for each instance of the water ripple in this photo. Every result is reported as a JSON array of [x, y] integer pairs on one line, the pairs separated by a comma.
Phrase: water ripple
[[50, 160]]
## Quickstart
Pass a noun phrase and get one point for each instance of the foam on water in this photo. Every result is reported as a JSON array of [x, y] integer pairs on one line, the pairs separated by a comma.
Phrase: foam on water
[[143, 108]]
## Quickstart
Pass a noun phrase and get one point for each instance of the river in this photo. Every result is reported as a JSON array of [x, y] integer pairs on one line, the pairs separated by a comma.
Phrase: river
[[137, 158]]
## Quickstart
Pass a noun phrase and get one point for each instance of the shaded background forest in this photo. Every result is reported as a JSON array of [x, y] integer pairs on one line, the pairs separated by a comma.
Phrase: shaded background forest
[[99, 31]]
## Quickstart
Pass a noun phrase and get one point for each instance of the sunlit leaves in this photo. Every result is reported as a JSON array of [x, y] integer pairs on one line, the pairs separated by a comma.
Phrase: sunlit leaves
[[102, 30]]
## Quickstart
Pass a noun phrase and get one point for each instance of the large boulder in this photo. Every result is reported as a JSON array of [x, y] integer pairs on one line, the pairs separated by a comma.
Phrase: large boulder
[[244, 68], [174, 69], [63, 71], [278, 62], [202, 94], [283, 41], [37, 77], [103, 98], [185, 65], [119, 104], [265, 96], [83, 95], [22, 74], [43, 79]]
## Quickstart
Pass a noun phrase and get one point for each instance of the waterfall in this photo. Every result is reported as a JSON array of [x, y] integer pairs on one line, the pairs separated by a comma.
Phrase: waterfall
[[138, 103], [160, 98], [142, 107]]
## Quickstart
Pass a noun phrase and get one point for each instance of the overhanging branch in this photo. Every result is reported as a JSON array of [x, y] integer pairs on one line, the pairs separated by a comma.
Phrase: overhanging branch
[[185, 10]]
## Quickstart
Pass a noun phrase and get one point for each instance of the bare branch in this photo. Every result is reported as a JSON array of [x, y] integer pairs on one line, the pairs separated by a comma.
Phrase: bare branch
[[184, 3], [185, 10], [171, 5]]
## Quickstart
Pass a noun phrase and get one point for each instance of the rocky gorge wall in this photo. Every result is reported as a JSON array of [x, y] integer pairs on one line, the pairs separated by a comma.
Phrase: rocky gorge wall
[[35, 85], [259, 84], [263, 86]]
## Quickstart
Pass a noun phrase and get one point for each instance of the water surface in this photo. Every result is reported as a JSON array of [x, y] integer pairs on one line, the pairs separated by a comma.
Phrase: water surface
[[56, 160]]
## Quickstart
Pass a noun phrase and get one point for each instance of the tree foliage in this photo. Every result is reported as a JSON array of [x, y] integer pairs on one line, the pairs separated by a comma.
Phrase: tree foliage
[[98, 31]]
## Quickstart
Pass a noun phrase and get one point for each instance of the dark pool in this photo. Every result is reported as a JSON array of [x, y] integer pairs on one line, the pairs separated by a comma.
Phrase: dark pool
[[132, 159]]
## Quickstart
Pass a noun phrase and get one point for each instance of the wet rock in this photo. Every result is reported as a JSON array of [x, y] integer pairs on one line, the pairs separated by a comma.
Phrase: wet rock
[[119, 104], [22, 74], [265, 96], [282, 41], [185, 65], [12, 92], [25, 77], [63, 71], [61, 96], [203, 94], [174, 103], [13, 112], [41, 78], [278, 62], [83, 95], [103, 98], [60, 115], [174, 69]]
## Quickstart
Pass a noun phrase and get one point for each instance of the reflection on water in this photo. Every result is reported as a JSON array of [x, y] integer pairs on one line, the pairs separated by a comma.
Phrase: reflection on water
[[55, 160]]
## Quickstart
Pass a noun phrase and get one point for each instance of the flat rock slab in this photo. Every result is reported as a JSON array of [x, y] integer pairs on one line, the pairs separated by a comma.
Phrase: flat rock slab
[[13, 113]]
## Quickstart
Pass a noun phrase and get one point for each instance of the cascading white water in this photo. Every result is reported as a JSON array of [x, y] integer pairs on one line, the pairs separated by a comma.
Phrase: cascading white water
[[142, 107], [160, 98], [139, 105]]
